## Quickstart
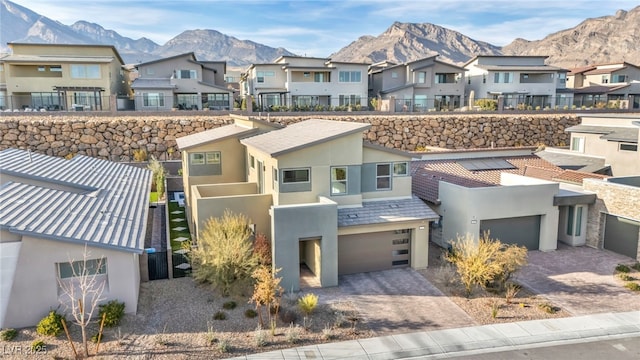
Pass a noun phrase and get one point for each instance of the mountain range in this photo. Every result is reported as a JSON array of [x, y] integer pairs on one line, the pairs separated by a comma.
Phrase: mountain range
[[597, 40]]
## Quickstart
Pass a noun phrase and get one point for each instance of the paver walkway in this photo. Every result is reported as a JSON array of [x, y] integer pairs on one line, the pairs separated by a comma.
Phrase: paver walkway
[[579, 280], [397, 301]]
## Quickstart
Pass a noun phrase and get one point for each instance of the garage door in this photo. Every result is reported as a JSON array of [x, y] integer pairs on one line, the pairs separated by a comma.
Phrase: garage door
[[373, 251], [523, 231], [621, 236]]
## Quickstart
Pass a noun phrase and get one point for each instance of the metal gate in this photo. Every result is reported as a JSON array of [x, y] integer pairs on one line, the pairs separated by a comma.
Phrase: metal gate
[[157, 263]]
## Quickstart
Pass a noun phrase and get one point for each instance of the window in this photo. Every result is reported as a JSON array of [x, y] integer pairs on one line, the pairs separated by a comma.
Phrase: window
[[605, 79], [275, 177], [570, 220], [400, 252], [400, 262], [349, 76], [628, 147], [578, 220], [42, 68], [400, 241], [79, 268], [213, 157], [55, 68], [150, 71], [503, 77], [577, 144], [394, 75], [86, 98], [186, 74], [383, 176], [196, 158], [262, 74], [347, 100], [152, 99], [400, 169], [320, 77], [619, 78], [85, 71], [421, 77], [252, 161], [338, 180], [295, 176]]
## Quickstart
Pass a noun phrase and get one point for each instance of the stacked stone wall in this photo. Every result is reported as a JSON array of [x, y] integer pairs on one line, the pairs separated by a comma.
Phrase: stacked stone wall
[[117, 137]]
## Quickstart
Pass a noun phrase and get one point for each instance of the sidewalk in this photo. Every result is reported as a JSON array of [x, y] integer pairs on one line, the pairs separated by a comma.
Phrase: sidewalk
[[448, 343]]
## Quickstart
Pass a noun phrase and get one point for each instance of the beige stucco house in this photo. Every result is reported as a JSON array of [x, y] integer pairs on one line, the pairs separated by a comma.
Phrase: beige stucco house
[[182, 82], [613, 137], [63, 77], [326, 199], [613, 84], [306, 83], [50, 210], [422, 85], [517, 81]]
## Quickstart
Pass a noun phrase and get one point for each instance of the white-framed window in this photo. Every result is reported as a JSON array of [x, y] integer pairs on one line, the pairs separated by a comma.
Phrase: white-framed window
[[349, 76], [339, 180], [401, 169], [80, 71], [628, 147], [605, 79], [577, 144], [383, 176], [295, 176], [73, 269], [152, 99], [55, 68], [212, 157], [196, 158], [574, 220], [186, 74], [42, 68]]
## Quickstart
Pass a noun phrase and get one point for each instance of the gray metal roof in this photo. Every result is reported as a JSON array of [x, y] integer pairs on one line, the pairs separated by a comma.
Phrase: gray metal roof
[[612, 133], [574, 161], [213, 135], [83, 200], [386, 211], [302, 134]]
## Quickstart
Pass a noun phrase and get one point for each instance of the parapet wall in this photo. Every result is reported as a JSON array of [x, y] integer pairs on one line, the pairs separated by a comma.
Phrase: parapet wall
[[116, 137]]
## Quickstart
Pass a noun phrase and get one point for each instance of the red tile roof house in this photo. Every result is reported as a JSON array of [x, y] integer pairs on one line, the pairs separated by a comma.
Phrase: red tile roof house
[[512, 193]]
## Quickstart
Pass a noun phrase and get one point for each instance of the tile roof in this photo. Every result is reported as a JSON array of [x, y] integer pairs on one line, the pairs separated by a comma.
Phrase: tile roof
[[83, 200], [385, 211], [301, 135], [599, 71], [427, 174], [213, 135]]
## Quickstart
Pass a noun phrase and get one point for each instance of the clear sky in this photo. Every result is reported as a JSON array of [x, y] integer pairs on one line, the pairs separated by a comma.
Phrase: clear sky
[[320, 28]]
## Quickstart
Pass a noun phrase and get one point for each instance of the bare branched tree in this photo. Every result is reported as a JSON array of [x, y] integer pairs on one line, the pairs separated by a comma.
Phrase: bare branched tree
[[82, 290]]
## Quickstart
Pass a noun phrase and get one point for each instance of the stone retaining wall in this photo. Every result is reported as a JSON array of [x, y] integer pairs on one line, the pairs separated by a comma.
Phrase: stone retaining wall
[[116, 137]]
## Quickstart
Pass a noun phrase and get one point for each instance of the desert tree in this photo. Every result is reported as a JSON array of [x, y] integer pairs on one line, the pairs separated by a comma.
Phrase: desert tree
[[81, 283], [224, 254], [262, 249], [267, 293]]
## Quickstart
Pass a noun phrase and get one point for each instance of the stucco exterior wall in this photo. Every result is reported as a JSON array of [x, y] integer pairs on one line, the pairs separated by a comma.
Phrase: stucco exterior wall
[[35, 286], [615, 199], [289, 224], [464, 208]]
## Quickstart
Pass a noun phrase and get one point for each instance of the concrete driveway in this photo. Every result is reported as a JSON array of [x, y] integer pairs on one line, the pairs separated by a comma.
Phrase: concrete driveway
[[396, 301], [579, 280]]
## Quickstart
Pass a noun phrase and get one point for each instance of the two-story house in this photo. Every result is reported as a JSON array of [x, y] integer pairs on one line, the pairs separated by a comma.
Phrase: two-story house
[[182, 82], [305, 83], [421, 85], [517, 80], [62, 77], [326, 199], [616, 84], [613, 137]]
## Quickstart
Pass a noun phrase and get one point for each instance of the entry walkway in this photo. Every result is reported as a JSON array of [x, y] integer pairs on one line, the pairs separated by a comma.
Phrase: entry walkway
[[465, 341]]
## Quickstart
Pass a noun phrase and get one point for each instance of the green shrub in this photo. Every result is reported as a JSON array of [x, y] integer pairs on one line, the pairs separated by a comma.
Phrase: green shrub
[[548, 308], [632, 286], [487, 104], [636, 266], [38, 346], [250, 313], [625, 277], [114, 310], [50, 325], [220, 315], [229, 305], [622, 268], [308, 303], [8, 334], [94, 338]]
